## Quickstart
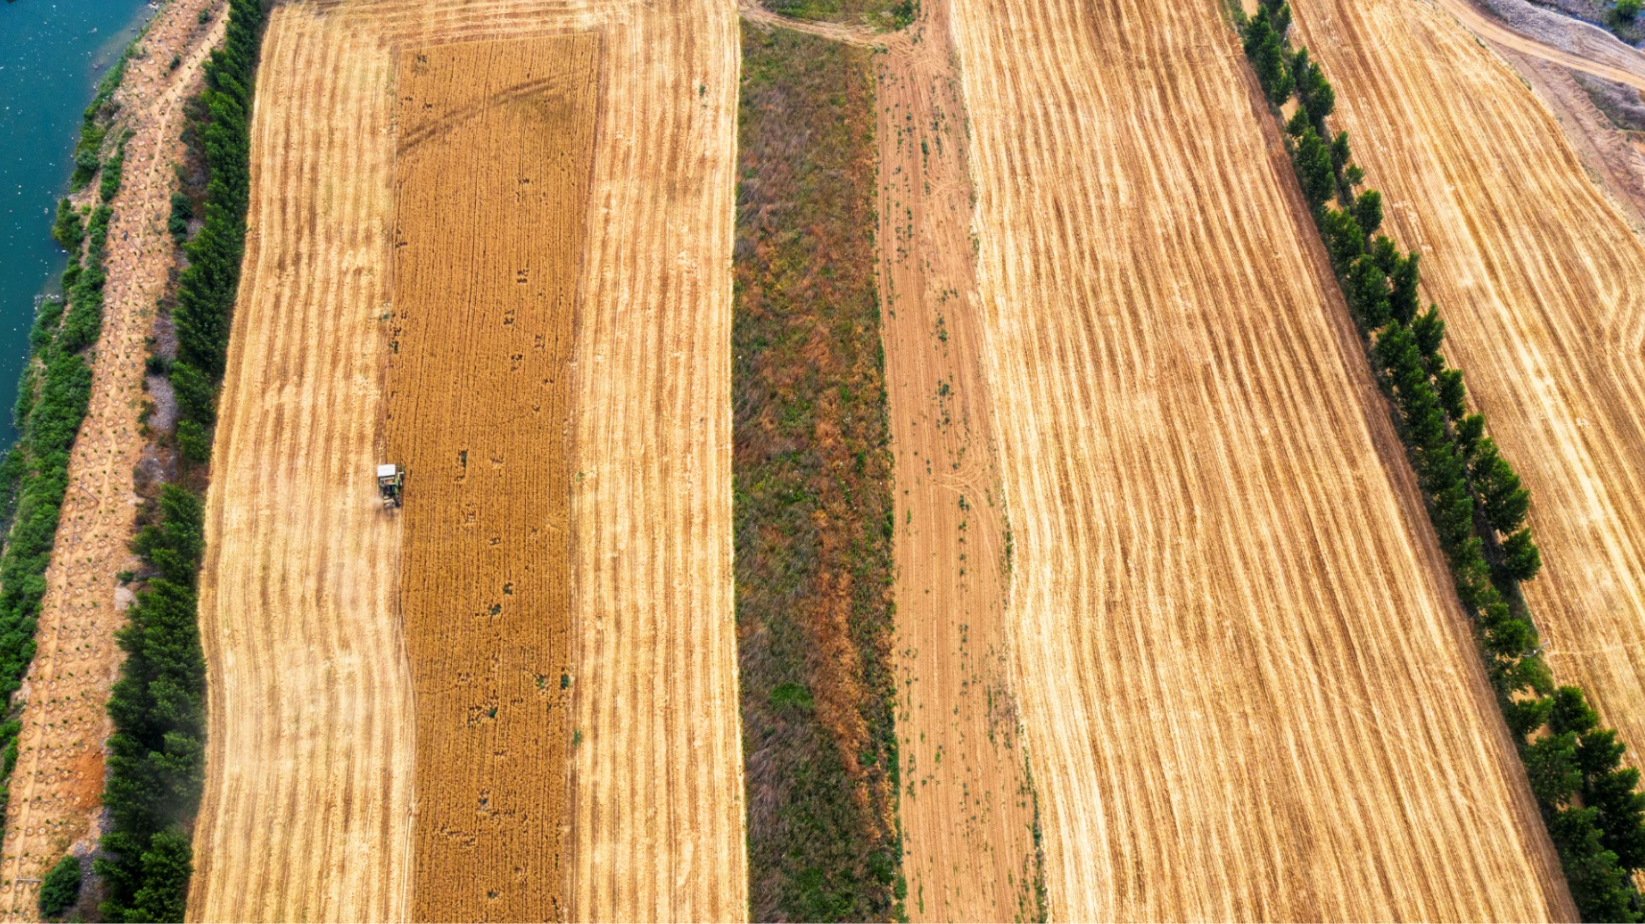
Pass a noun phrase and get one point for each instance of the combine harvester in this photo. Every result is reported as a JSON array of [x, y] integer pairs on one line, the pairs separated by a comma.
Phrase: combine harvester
[[390, 483]]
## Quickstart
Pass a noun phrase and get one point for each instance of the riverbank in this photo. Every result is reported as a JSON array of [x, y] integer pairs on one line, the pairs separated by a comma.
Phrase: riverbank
[[51, 58]]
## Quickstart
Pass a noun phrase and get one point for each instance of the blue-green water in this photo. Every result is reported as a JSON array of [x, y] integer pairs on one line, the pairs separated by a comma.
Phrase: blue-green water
[[51, 54]]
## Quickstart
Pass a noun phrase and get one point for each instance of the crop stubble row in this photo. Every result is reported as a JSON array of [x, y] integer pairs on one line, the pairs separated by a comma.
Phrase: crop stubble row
[[1247, 689], [294, 530], [1538, 277]]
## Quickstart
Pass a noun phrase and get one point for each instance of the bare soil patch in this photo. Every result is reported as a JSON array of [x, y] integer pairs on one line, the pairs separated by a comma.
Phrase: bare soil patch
[[966, 803]]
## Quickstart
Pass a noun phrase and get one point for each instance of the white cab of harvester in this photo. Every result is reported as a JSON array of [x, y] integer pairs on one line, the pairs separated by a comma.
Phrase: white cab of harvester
[[389, 483]]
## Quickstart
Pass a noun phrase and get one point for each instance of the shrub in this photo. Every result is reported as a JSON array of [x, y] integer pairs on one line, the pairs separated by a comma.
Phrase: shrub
[[67, 230], [1627, 10], [112, 170], [181, 211], [61, 888]]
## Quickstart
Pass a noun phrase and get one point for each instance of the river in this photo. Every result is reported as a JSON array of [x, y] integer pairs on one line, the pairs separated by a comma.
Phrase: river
[[52, 53]]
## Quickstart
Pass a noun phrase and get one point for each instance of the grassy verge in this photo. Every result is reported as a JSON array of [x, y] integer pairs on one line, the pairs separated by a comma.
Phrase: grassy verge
[[156, 760], [1594, 814], [884, 15], [813, 500]]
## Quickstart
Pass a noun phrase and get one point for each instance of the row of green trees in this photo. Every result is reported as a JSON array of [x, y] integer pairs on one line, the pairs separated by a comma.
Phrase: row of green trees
[[1589, 801], [157, 755], [53, 396]]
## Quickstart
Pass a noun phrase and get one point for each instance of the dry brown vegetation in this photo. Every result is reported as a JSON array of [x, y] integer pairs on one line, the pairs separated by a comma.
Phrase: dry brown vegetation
[[491, 179], [309, 790], [1537, 276], [813, 499], [1247, 688]]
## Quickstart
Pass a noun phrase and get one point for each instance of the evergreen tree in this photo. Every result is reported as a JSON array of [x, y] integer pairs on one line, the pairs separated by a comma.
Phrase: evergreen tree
[[1319, 178], [1367, 293], [1520, 556], [1343, 239], [1504, 499], [1469, 432], [1452, 394], [1599, 886], [1429, 330], [1368, 210], [1405, 276], [167, 865]]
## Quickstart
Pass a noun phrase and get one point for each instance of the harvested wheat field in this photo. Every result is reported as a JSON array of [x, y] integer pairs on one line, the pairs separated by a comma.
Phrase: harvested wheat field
[[1247, 690], [307, 810], [309, 806], [1538, 278], [491, 179]]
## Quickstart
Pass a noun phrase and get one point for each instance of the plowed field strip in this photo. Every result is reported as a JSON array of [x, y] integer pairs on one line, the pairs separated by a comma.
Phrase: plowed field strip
[[1538, 278], [657, 783], [308, 801], [1248, 691], [491, 185]]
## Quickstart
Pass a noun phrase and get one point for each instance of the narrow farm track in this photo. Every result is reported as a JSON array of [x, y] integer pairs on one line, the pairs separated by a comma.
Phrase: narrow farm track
[[309, 793], [1623, 65], [55, 797], [1247, 690], [1538, 278], [966, 806]]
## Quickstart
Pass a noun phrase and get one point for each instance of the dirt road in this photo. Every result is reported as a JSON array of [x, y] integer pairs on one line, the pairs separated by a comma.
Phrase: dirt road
[[309, 791], [57, 786], [1248, 692], [1621, 64], [1538, 278], [966, 806]]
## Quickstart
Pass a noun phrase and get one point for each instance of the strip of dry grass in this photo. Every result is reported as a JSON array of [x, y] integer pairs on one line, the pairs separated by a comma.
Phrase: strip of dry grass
[[812, 467]]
